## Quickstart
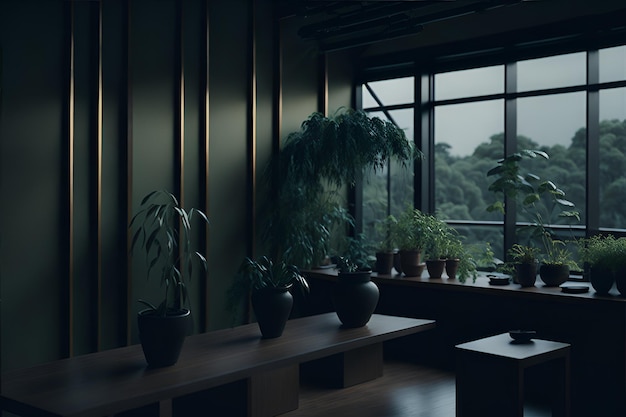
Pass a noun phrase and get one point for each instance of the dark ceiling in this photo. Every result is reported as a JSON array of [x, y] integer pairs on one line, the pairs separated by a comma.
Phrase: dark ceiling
[[335, 25]]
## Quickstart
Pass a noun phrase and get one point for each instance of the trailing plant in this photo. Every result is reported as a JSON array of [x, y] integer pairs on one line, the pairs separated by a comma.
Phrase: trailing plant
[[439, 238], [163, 231], [313, 166], [539, 200]]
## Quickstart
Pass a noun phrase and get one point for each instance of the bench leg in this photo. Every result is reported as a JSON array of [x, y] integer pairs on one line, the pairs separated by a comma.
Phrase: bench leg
[[273, 392], [165, 408], [348, 368]]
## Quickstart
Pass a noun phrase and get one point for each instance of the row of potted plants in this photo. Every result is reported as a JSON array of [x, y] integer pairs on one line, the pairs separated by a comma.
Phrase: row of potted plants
[[416, 236]]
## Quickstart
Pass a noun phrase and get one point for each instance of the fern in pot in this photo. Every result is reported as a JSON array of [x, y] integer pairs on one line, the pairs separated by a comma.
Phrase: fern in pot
[[163, 236]]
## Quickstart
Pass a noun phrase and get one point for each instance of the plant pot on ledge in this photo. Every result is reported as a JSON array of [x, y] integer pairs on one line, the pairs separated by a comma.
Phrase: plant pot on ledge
[[410, 263], [553, 275], [435, 267], [526, 273]]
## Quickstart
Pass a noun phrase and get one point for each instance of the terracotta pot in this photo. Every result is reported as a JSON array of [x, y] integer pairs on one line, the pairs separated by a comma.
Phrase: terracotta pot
[[435, 267], [410, 263], [384, 262], [452, 267]]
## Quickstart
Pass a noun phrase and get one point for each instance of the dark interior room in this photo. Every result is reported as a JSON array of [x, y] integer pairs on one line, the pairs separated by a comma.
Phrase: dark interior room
[[165, 158]]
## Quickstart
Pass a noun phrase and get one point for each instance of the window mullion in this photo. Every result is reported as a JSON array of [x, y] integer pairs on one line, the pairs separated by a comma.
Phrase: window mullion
[[593, 144], [510, 146]]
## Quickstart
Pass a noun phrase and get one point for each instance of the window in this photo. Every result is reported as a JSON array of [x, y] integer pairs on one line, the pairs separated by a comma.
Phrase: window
[[550, 104]]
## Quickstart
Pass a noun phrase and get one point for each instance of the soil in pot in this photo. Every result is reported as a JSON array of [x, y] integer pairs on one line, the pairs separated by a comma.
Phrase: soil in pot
[[162, 337], [355, 298], [272, 307], [435, 267]]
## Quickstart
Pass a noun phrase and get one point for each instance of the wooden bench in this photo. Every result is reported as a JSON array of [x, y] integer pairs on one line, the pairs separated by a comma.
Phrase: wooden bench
[[114, 381]]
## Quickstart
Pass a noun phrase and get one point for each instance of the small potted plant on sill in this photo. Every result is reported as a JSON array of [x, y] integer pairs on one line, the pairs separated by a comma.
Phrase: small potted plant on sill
[[460, 262], [354, 296], [557, 263], [605, 256], [409, 233], [525, 260], [385, 250], [439, 236], [269, 284], [163, 231]]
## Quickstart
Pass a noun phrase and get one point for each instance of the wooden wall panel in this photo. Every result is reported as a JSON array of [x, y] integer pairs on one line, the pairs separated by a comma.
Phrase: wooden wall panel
[[34, 176]]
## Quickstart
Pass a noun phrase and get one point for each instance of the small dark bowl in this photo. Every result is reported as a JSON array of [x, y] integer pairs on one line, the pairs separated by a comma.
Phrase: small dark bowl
[[522, 336]]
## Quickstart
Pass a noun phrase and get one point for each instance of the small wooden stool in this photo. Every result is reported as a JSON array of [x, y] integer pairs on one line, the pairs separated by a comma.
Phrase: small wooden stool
[[490, 375]]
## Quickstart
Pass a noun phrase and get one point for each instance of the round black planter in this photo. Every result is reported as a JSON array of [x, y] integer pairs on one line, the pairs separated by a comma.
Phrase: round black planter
[[601, 279], [355, 298], [526, 274], [435, 267], [162, 337], [553, 275], [272, 307]]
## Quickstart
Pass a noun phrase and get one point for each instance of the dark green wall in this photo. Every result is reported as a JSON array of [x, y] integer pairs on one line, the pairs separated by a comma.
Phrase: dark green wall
[[91, 120]]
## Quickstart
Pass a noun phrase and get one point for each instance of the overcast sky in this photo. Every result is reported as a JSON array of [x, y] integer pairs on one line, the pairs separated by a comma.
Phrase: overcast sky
[[547, 120]]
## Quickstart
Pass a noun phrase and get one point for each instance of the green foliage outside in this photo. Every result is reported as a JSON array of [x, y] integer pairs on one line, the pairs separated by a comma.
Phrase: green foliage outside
[[462, 186]]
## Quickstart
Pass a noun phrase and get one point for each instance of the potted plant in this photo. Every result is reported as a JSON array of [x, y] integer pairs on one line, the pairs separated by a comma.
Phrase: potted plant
[[385, 249], [438, 238], [312, 169], [354, 295], [410, 236], [163, 232], [605, 255], [525, 261], [540, 201], [269, 284], [460, 261]]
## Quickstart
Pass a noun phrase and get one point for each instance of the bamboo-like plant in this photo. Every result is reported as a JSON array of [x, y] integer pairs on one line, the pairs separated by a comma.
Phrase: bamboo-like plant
[[326, 154], [163, 231]]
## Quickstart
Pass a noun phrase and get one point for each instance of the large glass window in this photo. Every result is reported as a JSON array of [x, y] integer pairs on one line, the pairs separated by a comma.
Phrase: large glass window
[[472, 119]]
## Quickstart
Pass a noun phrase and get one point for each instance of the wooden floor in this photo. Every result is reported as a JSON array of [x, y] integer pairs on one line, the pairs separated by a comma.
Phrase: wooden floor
[[404, 390]]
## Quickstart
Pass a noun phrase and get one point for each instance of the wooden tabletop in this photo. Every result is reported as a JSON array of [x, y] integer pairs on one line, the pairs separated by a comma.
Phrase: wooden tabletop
[[502, 345], [111, 381]]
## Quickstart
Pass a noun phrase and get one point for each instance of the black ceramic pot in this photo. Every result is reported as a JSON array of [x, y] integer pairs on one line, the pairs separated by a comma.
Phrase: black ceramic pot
[[553, 275], [620, 280], [355, 298], [526, 274], [601, 279], [162, 337], [272, 307]]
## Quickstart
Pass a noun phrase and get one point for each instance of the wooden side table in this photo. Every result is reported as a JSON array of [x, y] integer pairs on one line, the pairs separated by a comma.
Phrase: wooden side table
[[490, 375]]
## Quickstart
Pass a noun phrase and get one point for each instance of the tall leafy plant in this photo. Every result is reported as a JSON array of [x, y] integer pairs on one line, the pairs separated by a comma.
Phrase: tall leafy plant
[[308, 174], [539, 200], [163, 232]]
